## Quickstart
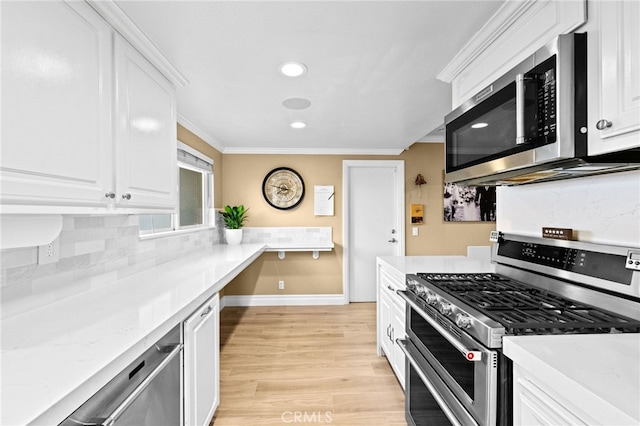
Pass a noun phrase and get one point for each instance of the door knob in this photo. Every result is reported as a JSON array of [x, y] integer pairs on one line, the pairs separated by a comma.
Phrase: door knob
[[393, 240]]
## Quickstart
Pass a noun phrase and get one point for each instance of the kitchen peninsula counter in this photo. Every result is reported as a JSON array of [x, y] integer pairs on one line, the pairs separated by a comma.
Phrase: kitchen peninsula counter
[[478, 260], [56, 356], [594, 377]]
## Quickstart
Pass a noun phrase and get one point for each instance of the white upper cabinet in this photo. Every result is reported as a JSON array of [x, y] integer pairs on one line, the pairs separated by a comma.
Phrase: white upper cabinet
[[56, 105], [146, 170], [614, 70], [516, 30], [88, 124]]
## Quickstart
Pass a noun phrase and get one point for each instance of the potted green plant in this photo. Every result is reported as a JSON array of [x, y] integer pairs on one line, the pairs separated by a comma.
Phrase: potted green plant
[[234, 218]]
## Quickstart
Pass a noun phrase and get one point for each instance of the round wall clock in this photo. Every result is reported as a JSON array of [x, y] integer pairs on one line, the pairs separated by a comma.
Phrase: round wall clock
[[283, 188]]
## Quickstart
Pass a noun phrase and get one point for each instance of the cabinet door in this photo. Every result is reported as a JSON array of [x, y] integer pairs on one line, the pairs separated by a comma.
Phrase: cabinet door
[[202, 364], [532, 406], [56, 106], [614, 97], [146, 164], [385, 324], [398, 332]]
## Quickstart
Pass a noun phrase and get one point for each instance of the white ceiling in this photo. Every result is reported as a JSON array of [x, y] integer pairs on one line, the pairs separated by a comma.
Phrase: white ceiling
[[371, 69]]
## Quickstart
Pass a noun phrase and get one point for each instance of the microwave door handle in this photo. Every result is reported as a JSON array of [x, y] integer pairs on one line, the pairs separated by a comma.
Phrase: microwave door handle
[[520, 87]]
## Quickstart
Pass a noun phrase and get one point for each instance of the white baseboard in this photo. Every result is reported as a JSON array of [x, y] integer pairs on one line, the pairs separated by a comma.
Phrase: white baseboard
[[284, 300]]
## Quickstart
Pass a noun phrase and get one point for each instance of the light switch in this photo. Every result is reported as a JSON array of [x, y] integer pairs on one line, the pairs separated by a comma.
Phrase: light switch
[[415, 231]]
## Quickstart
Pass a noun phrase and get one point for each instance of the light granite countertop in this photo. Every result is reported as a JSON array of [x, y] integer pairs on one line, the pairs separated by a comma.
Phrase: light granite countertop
[[56, 356], [478, 260]]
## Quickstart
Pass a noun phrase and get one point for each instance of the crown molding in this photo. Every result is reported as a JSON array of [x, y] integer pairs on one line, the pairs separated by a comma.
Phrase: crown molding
[[119, 20], [496, 26], [312, 151], [202, 134]]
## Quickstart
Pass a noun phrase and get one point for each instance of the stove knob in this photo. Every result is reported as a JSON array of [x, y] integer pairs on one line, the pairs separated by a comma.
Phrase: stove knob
[[432, 299], [445, 308], [463, 321]]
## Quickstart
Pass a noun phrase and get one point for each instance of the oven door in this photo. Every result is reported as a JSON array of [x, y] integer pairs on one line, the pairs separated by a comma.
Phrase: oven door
[[428, 400], [447, 351]]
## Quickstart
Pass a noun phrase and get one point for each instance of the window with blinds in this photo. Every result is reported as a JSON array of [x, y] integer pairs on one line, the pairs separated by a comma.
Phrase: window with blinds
[[195, 196]]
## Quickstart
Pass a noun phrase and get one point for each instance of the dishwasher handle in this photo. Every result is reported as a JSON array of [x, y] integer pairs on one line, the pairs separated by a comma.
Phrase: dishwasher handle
[[171, 352]]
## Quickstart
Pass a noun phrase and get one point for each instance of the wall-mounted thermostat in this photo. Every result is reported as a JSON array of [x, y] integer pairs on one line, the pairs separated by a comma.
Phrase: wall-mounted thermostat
[[633, 260]]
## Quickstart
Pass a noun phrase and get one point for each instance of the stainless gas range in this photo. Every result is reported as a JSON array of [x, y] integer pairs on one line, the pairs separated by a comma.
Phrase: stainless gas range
[[456, 372]]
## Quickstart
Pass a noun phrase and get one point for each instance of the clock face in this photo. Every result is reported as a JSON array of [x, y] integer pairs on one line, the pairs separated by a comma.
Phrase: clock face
[[283, 188]]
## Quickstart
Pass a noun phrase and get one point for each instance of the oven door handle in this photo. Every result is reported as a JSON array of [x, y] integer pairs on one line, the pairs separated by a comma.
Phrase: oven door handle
[[469, 354], [402, 344]]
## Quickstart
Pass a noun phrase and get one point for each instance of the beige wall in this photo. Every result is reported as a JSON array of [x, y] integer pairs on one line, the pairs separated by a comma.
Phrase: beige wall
[[436, 237], [241, 184]]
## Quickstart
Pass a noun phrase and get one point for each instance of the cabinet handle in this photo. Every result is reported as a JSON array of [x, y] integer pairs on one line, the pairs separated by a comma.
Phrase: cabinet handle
[[111, 195], [390, 288], [389, 331], [126, 196], [603, 124], [393, 332], [393, 240], [205, 313]]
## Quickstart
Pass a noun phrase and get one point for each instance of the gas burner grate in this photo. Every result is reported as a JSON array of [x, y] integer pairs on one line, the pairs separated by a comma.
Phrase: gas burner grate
[[553, 321], [523, 309]]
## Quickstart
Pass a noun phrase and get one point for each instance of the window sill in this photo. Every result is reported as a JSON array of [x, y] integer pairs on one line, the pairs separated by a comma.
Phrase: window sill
[[171, 233]]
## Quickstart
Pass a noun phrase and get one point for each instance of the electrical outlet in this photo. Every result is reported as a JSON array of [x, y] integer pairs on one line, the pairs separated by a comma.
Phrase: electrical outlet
[[281, 285], [48, 253], [415, 231]]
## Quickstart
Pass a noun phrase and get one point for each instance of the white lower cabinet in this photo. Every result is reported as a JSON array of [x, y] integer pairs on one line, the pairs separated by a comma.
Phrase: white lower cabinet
[[532, 406], [202, 363], [391, 319], [535, 403]]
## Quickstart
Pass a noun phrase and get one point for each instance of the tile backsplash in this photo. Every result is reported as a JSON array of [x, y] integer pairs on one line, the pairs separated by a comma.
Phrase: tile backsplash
[[92, 250], [283, 235]]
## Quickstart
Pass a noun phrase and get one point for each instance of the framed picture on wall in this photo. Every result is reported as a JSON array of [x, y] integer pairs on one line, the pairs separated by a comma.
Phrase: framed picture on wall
[[469, 203]]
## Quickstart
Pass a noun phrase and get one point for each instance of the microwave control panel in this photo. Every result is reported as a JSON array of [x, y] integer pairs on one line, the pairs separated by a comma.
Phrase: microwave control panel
[[540, 103]]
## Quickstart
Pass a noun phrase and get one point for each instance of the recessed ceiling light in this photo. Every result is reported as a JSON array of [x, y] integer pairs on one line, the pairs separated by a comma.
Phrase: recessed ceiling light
[[298, 124], [293, 69], [479, 125]]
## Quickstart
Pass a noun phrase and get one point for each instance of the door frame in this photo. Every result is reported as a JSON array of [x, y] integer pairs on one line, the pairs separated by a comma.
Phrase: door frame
[[346, 213]]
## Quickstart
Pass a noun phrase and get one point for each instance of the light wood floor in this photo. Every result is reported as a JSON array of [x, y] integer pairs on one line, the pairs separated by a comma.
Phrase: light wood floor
[[305, 365]]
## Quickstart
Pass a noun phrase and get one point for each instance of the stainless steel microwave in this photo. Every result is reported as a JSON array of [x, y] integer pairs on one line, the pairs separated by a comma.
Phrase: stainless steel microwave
[[530, 125]]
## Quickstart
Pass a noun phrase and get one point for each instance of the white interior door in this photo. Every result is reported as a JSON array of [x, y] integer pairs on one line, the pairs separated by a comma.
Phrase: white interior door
[[373, 222]]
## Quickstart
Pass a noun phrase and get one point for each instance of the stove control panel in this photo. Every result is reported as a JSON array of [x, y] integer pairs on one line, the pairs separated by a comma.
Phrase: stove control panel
[[633, 260], [607, 266]]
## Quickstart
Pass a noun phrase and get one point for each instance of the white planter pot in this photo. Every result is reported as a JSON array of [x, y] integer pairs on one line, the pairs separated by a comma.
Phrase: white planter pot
[[233, 236]]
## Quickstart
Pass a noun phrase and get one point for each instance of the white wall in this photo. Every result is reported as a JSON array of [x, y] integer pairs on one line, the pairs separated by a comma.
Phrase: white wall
[[600, 209]]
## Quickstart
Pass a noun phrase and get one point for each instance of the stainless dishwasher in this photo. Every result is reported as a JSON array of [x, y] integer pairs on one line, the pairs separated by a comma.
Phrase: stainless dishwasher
[[147, 392]]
